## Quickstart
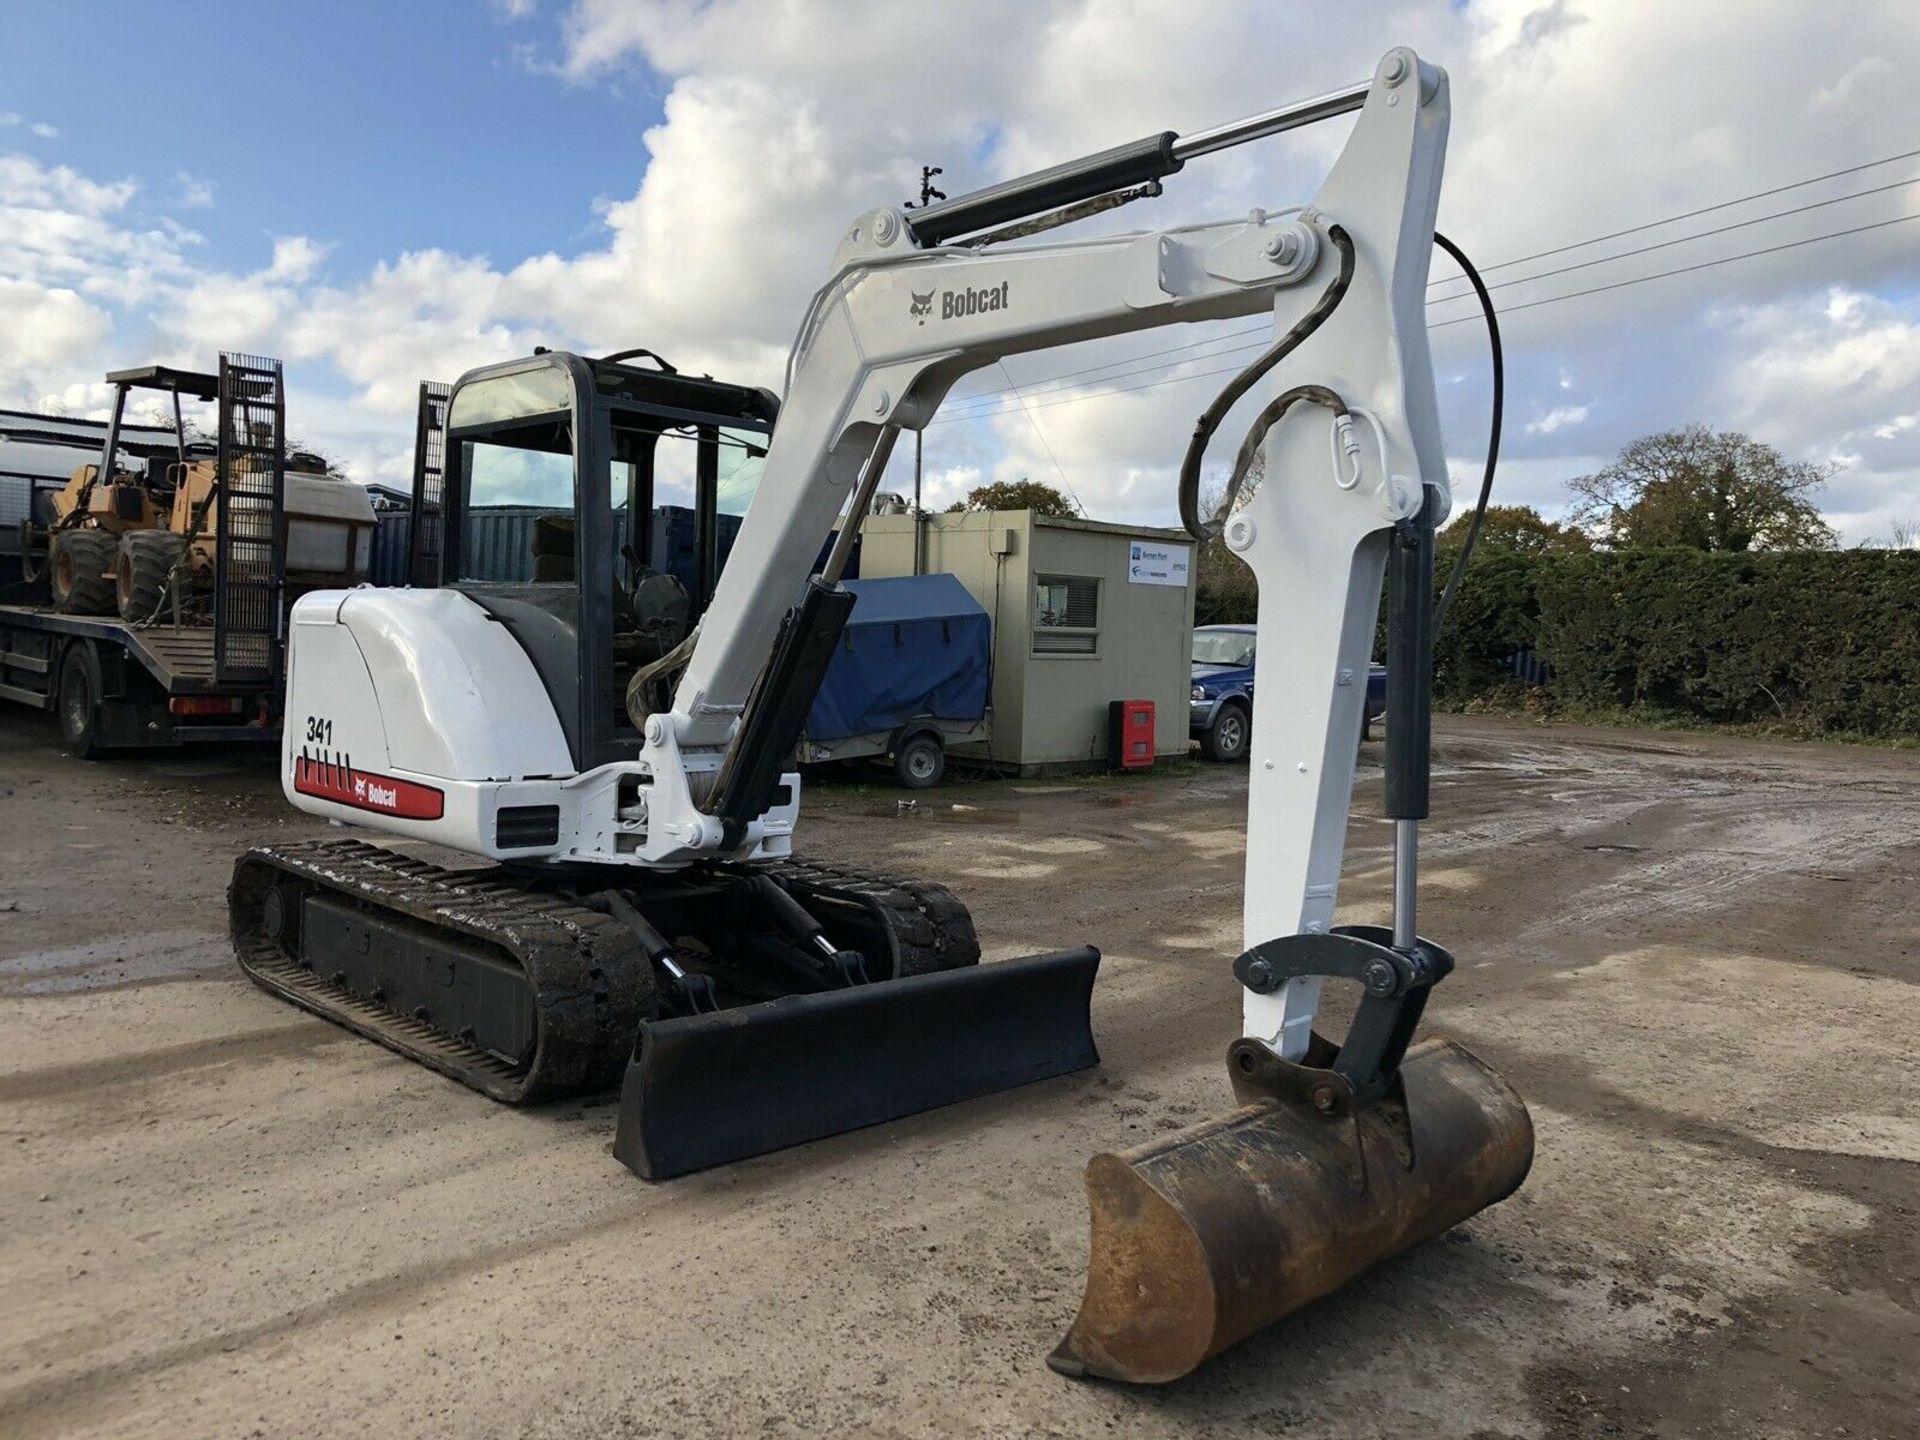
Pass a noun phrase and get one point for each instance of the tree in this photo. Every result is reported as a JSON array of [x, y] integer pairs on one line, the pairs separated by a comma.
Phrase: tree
[[1901, 535], [1516, 530], [1700, 489], [311, 458], [1021, 494]]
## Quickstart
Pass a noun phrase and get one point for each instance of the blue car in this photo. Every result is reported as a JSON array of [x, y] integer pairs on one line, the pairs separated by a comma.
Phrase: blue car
[[1222, 708]]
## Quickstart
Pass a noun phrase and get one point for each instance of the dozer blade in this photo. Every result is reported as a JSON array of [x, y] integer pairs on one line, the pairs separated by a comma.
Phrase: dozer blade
[[1208, 1234], [706, 1089]]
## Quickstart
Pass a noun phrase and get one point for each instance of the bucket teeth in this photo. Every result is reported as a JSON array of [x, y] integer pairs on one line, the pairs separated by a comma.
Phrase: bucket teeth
[[1208, 1234]]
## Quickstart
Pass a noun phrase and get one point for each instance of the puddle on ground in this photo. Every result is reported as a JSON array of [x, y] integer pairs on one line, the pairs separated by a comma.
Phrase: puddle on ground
[[938, 810], [116, 961], [190, 769]]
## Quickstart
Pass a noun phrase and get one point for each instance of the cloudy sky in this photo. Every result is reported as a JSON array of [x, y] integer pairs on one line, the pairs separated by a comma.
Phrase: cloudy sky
[[384, 193]]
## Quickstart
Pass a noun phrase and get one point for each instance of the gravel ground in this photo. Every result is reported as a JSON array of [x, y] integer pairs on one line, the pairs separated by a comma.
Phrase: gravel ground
[[1695, 956]]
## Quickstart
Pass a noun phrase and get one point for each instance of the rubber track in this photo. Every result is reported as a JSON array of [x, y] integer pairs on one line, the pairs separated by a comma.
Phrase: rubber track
[[929, 926], [593, 985]]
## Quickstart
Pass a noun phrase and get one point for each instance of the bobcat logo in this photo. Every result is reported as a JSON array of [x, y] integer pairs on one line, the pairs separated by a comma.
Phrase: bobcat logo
[[922, 305]]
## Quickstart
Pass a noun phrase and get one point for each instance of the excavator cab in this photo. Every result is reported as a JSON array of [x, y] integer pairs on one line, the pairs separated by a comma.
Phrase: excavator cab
[[557, 472]]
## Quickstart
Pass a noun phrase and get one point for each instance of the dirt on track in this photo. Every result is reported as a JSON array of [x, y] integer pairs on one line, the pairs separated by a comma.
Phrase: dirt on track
[[1696, 957]]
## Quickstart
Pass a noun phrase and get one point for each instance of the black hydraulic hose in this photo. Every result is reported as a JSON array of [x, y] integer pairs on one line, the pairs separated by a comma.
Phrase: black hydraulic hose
[[1493, 439], [1215, 413]]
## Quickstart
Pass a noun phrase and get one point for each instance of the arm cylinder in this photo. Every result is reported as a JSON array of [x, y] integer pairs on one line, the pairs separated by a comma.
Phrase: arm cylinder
[[1410, 665], [1409, 708]]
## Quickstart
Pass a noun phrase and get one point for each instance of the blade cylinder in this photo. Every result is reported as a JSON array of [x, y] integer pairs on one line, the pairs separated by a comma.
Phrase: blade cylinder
[[1206, 1235]]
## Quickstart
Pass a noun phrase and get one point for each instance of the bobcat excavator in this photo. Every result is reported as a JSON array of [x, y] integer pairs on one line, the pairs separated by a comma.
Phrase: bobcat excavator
[[641, 915]]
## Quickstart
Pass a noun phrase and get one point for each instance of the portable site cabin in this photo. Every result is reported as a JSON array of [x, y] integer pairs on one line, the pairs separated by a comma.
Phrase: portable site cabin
[[1083, 613]]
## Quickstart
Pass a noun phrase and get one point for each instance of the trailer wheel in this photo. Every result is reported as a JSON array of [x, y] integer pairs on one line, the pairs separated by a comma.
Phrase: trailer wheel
[[79, 563], [78, 702], [920, 763]]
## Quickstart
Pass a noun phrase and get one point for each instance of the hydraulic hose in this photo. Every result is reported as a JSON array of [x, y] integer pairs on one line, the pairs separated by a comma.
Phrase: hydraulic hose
[[1215, 413], [1493, 439]]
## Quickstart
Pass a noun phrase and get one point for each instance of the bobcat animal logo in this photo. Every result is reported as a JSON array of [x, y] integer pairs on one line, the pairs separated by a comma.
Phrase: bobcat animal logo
[[922, 305]]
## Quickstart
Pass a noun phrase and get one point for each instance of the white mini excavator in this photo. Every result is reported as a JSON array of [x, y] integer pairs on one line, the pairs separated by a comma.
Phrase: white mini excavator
[[613, 750]]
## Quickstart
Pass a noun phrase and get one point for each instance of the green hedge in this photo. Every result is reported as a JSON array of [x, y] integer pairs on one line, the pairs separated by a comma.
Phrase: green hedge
[[1824, 640]]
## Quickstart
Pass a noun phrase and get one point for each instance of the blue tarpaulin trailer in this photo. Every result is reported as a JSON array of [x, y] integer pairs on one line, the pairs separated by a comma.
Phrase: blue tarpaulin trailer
[[911, 676]]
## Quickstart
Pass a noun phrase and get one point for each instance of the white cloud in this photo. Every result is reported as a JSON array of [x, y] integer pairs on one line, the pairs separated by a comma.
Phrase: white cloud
[[46, 330], [1819, 376], [44, 130], [296, 257], [1559, 418], [191, 192], [1856, 78], [783, 121]]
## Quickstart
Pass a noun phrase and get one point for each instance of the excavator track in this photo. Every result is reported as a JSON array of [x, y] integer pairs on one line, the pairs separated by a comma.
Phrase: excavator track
[[591, 984], [927, 925], [588, 983]]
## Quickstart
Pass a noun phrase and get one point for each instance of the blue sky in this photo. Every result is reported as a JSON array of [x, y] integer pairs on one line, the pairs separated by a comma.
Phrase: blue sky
[[390, 126], [433, 186]]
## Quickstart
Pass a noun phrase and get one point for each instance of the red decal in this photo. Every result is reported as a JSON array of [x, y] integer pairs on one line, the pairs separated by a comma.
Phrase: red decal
[[364, 790]]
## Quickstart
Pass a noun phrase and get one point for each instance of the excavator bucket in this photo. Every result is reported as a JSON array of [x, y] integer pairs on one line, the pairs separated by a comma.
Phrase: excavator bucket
[[708, 1088], [1208, 1234]]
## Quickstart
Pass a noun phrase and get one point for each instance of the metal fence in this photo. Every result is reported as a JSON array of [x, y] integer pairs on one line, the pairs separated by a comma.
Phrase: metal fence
[[392, 544]]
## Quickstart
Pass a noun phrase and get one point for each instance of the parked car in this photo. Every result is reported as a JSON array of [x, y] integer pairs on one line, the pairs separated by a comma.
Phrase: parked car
[[1222, 708]]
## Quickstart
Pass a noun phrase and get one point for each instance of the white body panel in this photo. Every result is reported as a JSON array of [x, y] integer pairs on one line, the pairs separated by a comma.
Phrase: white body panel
[[400, 692]]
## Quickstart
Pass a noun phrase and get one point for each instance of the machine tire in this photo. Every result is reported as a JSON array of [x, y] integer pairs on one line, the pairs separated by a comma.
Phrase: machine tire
[[921, 761], [78, 562], [77, 702], [1225, 740], [141, 570]]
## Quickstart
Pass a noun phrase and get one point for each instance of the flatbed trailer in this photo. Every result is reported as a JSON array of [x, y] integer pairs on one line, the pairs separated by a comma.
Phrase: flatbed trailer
[[114, 685], [212, 665]]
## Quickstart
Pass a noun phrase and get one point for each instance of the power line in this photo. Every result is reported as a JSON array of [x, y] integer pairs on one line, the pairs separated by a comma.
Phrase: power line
[[1047, 383], [1684, 239], [1048, 444], [1442, 324], [1689, 269], [1092, 395], [1035, 387], [1684, 215], [1053, 383]]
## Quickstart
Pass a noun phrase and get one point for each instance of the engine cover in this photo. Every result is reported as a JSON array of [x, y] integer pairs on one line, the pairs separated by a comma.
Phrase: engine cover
[[412, 711]]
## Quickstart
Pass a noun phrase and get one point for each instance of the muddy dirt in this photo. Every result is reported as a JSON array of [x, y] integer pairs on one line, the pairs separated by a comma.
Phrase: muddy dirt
[[1696, 957]]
